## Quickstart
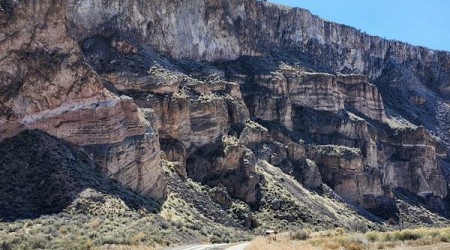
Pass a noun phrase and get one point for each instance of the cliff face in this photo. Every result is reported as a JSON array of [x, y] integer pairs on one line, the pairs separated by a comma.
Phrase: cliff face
[[221, 89], [46, 84], [232, 28]]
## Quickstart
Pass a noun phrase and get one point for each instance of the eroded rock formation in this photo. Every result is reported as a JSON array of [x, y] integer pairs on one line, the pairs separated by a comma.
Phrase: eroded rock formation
[[220, 88], [46, 84]]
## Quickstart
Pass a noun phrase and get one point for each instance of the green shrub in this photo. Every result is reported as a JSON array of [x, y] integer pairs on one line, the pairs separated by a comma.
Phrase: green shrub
[[340, 231], [388, 237], [300, 234], [372, 236], [408, 235], [37, 241], [402, 235], [165, 225], [215, 239]]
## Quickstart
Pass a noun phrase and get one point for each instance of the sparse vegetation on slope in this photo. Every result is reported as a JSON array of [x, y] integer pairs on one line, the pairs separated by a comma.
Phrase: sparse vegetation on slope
[[339, 239], [95, 211], [287, 205]]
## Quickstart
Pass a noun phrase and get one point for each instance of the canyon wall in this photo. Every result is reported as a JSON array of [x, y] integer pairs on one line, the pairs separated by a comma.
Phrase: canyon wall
[[219, 88], [46, 84], [211, 30], [229, 29]]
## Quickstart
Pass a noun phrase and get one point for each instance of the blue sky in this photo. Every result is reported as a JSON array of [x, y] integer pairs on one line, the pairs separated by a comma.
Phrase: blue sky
[[418, 22]]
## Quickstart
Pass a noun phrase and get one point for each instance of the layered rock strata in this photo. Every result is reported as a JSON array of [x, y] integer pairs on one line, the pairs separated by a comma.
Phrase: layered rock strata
[[358, 157], [362, 96], [141, 92], [231, 29], [193, 122], [226, 30], [46, 84]]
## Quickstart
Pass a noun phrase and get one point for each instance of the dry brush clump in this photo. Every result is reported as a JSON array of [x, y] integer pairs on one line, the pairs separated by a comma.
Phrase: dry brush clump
[[338, 239], [262, 243], [301, 234]]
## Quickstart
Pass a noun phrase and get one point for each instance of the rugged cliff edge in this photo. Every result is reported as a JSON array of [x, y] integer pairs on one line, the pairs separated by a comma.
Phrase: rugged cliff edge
[[47, 85], [231, 94], [214, 30]]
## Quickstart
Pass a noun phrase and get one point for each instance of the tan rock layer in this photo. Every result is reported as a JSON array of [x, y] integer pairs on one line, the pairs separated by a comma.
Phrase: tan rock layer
[[196, 119], [46, 85], [362, 95], [318, 91]]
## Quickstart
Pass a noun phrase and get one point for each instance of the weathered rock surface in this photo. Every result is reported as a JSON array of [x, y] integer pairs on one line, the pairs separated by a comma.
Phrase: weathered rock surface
[[413, 163], [196, 115], [291, 87], [334, 106], [47, 85], [226, 30], [362, 96], [228, 164]]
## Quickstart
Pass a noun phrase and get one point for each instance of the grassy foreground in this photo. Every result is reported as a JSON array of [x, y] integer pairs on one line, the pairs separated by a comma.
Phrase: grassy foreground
[[420, 238]]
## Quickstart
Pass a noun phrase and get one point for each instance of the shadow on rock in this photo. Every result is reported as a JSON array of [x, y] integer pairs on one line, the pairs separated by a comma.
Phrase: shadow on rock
[[43, 175]]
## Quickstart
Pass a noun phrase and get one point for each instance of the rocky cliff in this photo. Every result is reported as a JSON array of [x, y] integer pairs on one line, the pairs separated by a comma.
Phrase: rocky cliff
[[46, 84], [232, 28], [224, 90]]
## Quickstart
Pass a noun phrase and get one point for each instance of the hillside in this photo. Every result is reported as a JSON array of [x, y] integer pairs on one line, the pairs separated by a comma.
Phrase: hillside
[[212, 121]]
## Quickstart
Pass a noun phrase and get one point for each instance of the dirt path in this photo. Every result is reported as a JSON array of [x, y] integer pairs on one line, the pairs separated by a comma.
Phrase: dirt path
[[240, 246]]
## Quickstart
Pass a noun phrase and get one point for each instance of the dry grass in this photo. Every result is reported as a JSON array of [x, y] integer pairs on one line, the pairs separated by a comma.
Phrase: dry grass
[[136, 247], [420, 238], [261, 243]]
